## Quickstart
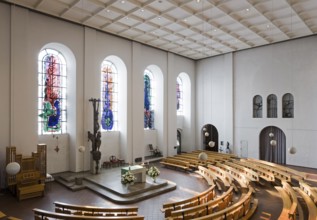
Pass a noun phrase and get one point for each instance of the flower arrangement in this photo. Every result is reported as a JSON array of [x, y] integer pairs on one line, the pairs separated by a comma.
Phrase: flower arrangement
[[127, 178], [153, 172]]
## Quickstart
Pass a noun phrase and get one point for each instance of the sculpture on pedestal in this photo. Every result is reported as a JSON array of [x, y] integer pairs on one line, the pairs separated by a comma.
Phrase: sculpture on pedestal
[[95, 137]]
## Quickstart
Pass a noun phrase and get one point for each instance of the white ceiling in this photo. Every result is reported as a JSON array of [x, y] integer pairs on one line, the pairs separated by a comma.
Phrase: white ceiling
[[191, 28]]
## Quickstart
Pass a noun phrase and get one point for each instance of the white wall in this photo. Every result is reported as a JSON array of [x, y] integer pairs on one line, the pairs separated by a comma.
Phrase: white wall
[[4, 85], [214, 97], [288, 67]]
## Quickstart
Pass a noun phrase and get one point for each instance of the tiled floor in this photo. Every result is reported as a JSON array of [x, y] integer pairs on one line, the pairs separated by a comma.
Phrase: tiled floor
[[188, 184]]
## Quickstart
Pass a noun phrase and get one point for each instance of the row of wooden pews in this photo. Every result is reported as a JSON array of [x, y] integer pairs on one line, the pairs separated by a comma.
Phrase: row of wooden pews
[[229, 170], [242, 209], [290, 202], [213, 205], [201, 198], [176, 163], [72, 211]]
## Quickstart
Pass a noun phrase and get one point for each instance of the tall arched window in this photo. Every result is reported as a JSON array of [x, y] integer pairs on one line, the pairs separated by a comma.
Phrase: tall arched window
[[257, 106], [109, 96], [149, 91], [179, 96], [52, 78], [288, 105], [272, 106]]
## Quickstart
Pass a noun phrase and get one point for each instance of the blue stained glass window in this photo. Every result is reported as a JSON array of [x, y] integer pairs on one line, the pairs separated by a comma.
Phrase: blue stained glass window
[[109, 96], [148, 100], [51, 92], [179, 96]]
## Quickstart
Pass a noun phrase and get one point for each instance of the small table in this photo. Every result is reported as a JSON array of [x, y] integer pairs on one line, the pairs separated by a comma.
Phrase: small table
[[137, 170]]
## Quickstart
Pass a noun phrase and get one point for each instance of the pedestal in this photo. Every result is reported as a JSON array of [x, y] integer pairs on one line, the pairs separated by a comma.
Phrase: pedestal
[[93, 165]]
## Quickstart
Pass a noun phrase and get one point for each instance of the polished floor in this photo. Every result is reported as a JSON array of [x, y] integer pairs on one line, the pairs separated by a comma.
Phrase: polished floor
[[188, 184]]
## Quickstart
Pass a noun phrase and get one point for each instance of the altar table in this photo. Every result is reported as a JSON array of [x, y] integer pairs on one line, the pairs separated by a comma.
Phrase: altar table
[[137, 170]]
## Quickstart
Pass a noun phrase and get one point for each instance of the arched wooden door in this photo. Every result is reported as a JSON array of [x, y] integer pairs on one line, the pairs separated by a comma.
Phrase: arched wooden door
[[209, 137], [273, 145]]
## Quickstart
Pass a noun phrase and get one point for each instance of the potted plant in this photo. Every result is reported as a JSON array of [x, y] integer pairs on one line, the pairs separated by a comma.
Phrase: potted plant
[[153, 172], [127, 178]]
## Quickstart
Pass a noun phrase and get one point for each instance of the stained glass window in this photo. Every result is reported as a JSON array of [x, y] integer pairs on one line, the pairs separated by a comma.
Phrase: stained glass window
[[51, 92], [109, 96], [179, 95], [148, 100]]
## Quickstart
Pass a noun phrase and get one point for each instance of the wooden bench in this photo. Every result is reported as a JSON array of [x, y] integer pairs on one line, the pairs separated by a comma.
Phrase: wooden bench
[[176, 163], [238, 210], [40, 214], [67, 208], [207, 174], [249, 173], [222, 175], [263, 173], [290, 202], [236, 174], [309, 203], [309, 191], [218, 203], [201, 198], [278, 171]]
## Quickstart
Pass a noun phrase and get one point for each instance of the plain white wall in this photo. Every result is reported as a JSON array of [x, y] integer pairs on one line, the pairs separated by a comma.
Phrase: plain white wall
[[214, 97], [288, 67], [5, 56]]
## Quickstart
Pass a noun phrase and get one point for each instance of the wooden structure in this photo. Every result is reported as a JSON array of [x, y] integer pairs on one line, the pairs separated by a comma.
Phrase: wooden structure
[[40, 214], [29, 182], [73, 209]]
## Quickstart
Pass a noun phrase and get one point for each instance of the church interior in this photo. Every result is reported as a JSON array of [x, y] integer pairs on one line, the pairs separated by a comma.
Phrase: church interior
[[158, 109]]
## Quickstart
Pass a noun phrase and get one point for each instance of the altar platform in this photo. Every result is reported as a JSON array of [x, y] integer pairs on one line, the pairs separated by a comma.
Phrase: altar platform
[[108, 185]]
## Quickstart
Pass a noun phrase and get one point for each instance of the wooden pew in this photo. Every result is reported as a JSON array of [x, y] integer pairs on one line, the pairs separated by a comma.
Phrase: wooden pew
[[276, 169], [290, 202], [176, 163], [222, 175], [236, 174], [67, 208], [263, 173], [219, 203], [309, 191], [40, 214], [207, 174], [312, 209], [238, 210], [201, 198], [312, 215], [249, 173]]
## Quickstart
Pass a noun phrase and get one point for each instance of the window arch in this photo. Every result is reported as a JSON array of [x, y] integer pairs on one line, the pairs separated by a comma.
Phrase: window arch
[[257, 106], [288, 105], [272, 106], [52, 81], [179, 96], [109, 96], [149, 93]]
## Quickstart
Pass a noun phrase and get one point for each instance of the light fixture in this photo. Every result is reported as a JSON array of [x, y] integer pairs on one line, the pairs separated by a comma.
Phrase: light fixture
[[211, 143], [292, 150], [271, 134], [13, 168], [207, 134], [202, 156], [273, 143]]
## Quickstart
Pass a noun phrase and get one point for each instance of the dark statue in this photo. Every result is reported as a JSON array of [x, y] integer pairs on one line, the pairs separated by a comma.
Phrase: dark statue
[[95, 137]]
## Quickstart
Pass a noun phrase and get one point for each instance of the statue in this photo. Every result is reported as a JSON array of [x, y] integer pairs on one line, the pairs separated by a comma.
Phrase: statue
[[95, 137]]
